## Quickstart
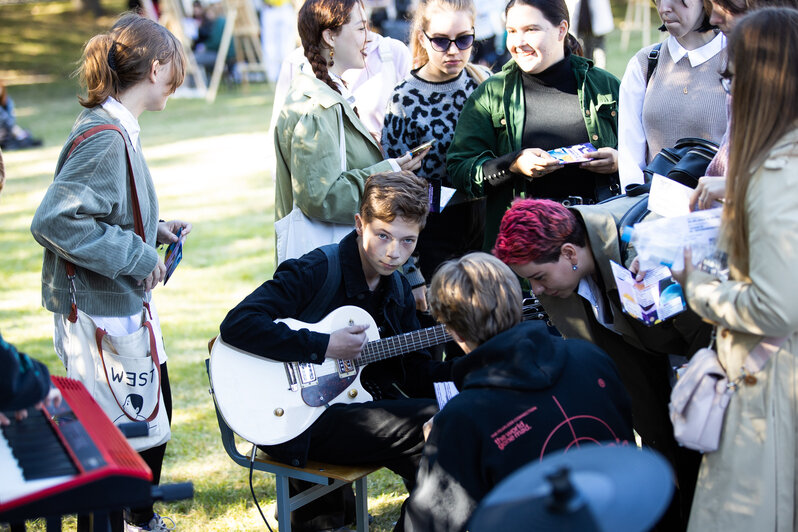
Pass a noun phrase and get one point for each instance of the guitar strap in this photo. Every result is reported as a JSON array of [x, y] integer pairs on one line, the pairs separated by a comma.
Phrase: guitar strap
[[319, 305]]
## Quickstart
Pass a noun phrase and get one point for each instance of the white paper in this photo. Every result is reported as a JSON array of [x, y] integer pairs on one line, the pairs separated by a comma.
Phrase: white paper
[[662, 241], [654, 299], [444, 391], [446, 195], [668, 197]]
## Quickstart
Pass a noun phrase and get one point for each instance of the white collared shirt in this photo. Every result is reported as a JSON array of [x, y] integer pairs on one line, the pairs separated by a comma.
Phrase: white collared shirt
[[631, 134], [589, 290], [129, 123], [346, 94]]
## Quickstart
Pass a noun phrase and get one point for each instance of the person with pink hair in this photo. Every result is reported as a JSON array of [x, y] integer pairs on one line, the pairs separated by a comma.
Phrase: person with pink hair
[[565, 255]]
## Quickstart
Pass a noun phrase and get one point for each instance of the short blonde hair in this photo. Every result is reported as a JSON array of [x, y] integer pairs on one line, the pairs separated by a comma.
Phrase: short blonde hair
[[476, 296]]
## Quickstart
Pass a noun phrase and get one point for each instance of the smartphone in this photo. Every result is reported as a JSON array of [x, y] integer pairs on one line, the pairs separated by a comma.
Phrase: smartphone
[[421, 147]]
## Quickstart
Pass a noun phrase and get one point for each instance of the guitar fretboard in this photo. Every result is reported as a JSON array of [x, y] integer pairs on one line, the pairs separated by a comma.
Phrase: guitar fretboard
[[401, 344]]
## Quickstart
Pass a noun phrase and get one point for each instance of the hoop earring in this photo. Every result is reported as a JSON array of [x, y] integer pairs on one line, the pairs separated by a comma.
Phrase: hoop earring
[[332, 55]]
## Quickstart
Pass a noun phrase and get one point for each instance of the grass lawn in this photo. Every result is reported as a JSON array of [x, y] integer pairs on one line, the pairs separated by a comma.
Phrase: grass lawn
[[208, 163]]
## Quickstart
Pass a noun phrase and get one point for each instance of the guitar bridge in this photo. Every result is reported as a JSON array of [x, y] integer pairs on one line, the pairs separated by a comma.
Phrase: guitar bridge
[[346, 368]]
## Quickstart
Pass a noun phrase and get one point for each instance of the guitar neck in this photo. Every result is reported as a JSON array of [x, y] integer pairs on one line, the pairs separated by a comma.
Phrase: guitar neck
[[404, 343]]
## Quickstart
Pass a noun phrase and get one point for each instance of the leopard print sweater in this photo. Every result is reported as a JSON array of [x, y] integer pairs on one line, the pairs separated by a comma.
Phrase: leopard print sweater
[[420, 111]]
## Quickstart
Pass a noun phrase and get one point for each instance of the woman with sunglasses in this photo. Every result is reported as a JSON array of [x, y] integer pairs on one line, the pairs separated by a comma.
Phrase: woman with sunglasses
[[425, 107], [546, 97]]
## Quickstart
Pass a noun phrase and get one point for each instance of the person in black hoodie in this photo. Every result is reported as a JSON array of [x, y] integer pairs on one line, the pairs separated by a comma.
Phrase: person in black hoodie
[[523, 394], [24, 382]]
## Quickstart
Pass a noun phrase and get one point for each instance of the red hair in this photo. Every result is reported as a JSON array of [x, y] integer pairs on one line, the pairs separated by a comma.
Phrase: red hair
[[535, 230]]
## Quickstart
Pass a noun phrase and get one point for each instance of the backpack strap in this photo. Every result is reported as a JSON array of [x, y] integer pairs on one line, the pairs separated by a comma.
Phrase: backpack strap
[[317, 308], [653, 58], [321, 301]]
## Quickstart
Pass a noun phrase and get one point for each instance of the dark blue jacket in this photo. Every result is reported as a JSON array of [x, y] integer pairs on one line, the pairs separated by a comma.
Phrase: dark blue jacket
[[523, 394], [23, 380]]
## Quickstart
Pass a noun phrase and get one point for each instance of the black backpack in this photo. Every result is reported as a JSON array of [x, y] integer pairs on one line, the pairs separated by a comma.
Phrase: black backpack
[[627, 210], [686, 162]]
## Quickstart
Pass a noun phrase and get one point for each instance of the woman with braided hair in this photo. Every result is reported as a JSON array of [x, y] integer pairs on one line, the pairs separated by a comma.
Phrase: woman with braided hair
[[324, 152]]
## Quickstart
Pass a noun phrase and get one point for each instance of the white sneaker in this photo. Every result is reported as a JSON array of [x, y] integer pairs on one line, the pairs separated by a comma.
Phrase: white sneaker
[[157, 523]]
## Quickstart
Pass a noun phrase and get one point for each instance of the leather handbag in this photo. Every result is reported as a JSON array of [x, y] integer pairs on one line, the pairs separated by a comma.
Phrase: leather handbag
[[703, 391]]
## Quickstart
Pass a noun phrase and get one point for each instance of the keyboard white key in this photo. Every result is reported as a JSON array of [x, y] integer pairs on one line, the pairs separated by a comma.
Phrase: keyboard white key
[[12, 483]]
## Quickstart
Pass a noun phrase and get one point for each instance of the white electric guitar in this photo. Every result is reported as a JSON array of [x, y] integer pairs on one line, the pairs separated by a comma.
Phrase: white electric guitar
[[269, 402]]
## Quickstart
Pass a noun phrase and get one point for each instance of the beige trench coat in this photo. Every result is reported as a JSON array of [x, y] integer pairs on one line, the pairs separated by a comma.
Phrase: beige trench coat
[[749, 483]]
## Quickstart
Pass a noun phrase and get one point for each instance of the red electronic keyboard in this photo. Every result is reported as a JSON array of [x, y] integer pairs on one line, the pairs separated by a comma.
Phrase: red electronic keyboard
[[68, 459]]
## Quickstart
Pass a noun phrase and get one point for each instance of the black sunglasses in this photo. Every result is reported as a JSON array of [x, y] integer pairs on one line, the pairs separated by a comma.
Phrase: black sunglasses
[[442, 44]]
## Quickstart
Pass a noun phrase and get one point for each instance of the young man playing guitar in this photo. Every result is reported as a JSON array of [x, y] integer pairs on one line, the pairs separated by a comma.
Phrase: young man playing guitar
[[386, 431]]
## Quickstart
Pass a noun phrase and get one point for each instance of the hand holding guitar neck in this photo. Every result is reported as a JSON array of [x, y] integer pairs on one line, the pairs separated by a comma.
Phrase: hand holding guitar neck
[[347, 343]]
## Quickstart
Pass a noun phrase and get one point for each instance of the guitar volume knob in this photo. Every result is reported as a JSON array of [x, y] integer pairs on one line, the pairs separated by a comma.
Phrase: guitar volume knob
[[279, 412]]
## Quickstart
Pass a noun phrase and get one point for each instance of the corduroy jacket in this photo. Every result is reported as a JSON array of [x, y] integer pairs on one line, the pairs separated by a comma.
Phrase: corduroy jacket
[[86, 217]]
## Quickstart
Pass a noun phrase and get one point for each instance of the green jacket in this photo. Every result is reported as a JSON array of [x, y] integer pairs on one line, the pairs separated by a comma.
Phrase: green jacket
[[306, 140], [492, 124]]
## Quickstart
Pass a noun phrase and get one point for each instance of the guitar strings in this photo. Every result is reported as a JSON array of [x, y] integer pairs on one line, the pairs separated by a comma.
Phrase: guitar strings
[[400, 344]]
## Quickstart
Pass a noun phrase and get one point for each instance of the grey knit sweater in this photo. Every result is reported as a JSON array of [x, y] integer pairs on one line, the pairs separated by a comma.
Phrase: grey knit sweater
[[86, 217], [682, 101]]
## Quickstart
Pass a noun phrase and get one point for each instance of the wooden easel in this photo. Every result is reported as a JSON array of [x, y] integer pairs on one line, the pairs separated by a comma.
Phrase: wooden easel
[[242, 29], [172, 18], [638, 17]]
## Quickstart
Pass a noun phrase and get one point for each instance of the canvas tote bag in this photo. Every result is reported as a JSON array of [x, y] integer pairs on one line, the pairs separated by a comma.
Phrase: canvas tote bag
[[297, 234], [122, 373]]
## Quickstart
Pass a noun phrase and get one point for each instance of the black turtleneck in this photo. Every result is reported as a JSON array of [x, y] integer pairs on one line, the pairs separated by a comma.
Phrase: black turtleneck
[[553, 119], [553, 115]]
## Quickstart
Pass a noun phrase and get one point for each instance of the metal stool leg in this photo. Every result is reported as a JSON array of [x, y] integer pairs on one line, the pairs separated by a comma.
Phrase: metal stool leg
[[283, 503], [362, 504]]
